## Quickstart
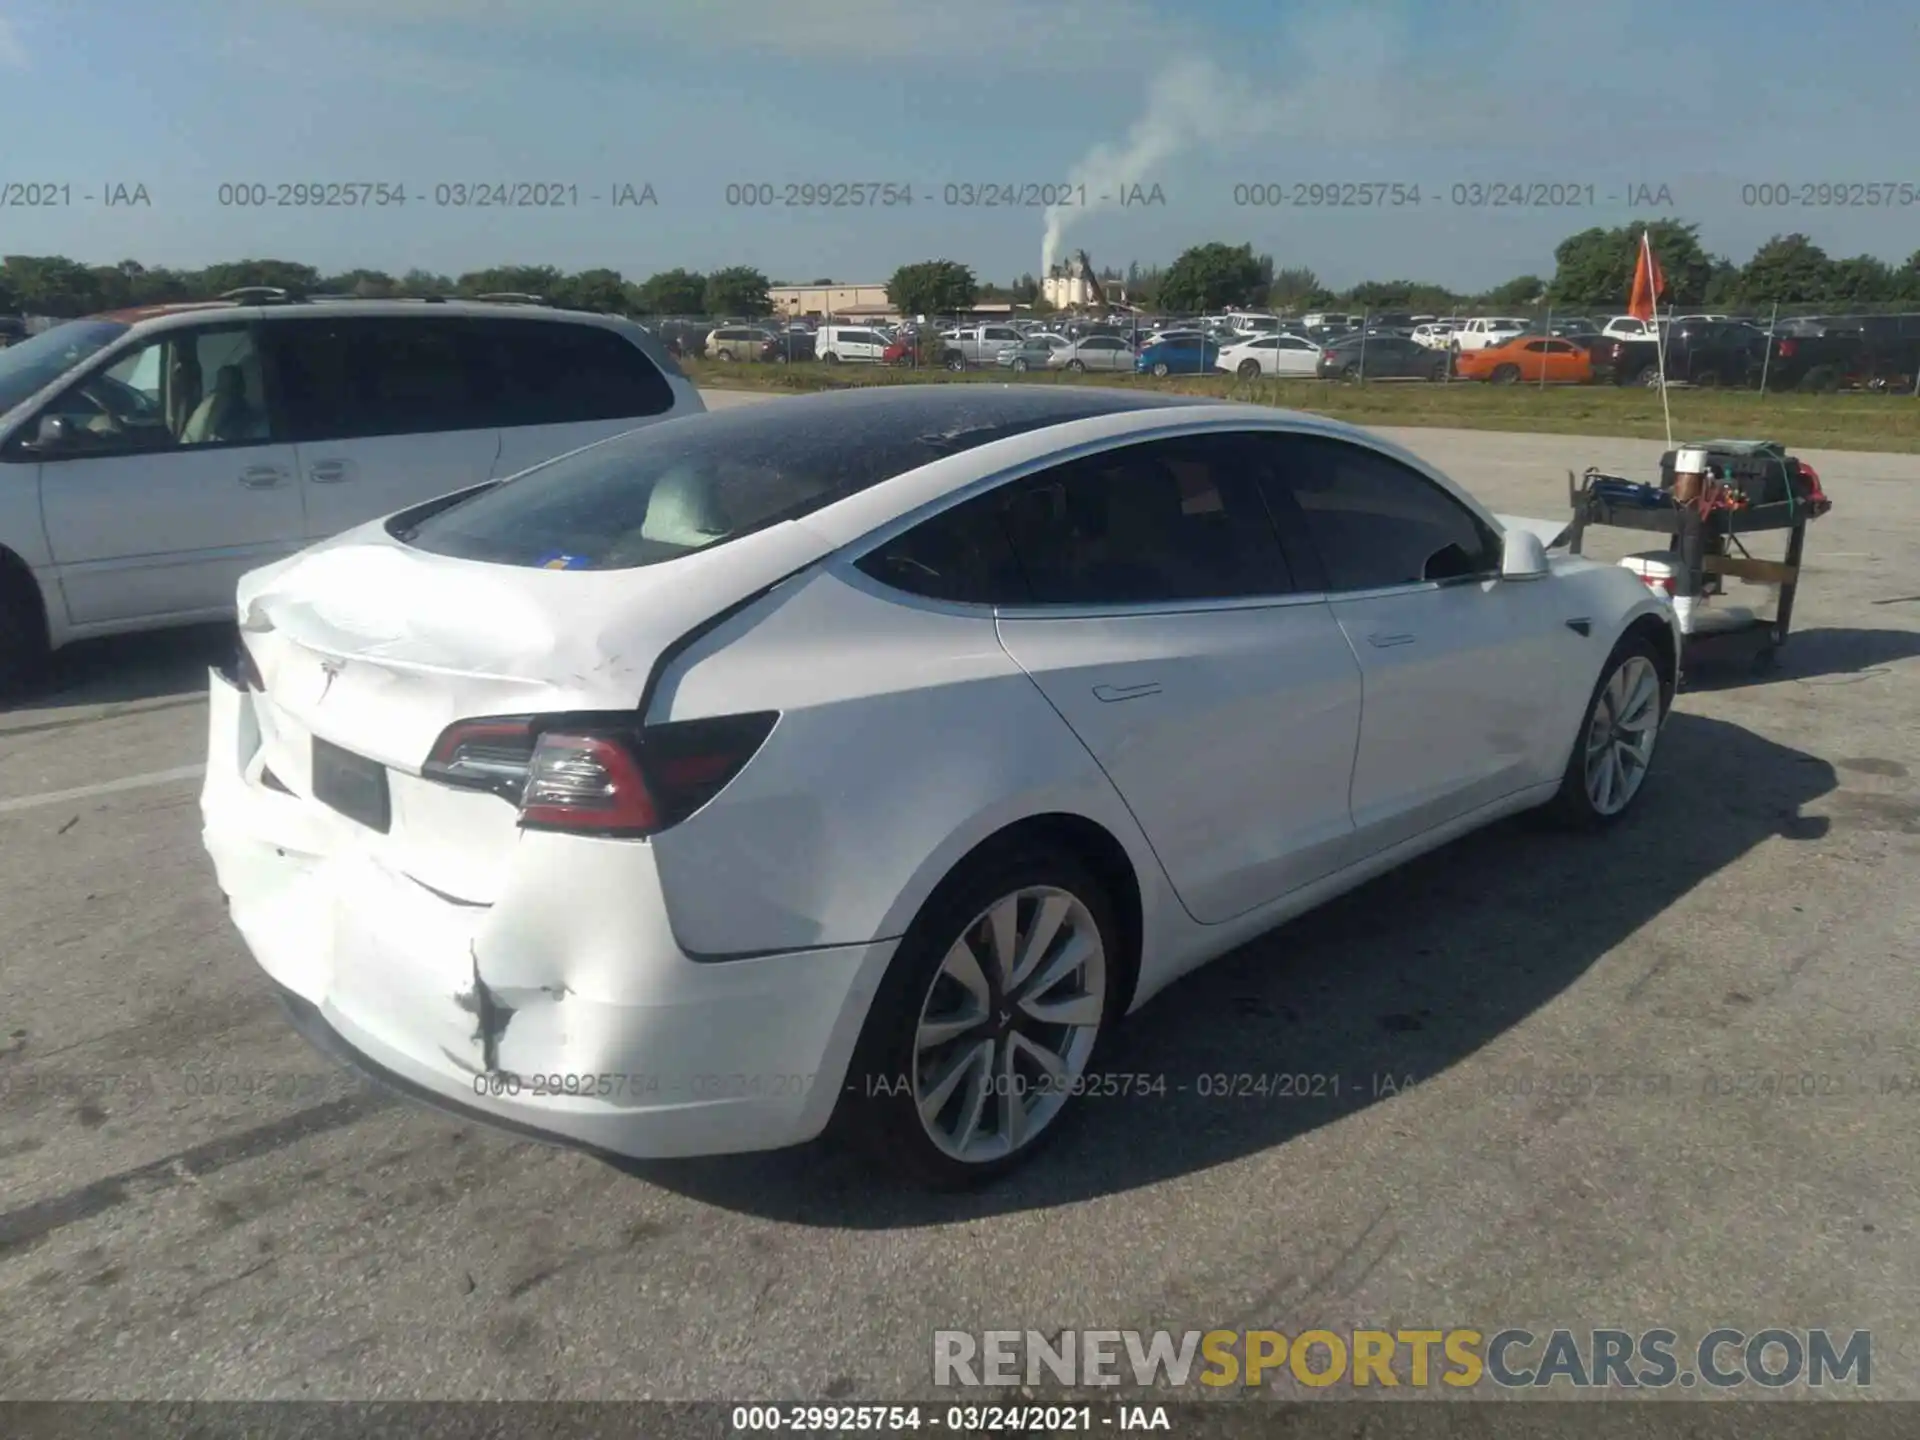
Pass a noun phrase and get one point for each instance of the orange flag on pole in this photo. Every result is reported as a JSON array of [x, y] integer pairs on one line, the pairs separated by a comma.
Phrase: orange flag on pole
[[1649, 284]]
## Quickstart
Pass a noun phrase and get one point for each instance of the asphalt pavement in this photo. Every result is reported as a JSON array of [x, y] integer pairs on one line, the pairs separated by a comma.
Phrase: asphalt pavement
[[1544, 1104]]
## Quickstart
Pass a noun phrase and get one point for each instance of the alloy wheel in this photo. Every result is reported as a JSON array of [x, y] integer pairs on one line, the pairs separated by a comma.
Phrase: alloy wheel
[[1008, 1024], [1620, 735]]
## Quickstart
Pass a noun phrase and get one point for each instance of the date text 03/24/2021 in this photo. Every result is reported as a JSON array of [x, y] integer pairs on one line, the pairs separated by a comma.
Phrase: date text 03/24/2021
[[960, 1419]]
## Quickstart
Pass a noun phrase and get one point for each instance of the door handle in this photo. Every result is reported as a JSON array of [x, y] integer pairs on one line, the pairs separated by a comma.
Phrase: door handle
[[262, 477], [1111, 694], [327, 472], [1384, 641]]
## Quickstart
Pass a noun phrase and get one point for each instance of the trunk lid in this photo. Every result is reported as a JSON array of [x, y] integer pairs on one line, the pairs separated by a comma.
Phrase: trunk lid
[[368, 645]]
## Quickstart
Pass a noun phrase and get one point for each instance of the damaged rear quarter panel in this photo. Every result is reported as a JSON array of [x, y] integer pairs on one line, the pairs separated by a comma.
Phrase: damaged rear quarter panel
[[907, 736]]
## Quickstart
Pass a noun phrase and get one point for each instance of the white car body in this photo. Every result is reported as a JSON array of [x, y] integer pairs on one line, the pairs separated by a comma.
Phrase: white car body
[[99, 539], [1434, 335], [1628, 327], [1486, 331], [853, 344], [1274, 354], [1211, 757]]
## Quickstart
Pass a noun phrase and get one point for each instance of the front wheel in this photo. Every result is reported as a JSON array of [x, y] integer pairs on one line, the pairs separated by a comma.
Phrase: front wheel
[[1615, 746], [1249, 370], [1020, 367], [983, 1029], [1161, 370]]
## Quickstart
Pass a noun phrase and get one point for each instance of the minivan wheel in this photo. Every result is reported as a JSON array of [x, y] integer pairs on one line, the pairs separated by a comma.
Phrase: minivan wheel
[[1615, 745], [23, 638], [982, 1032], [831, 358]]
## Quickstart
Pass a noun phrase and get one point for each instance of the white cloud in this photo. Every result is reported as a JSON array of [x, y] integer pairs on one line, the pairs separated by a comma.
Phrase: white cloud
[[1055, 35], [13, 54]]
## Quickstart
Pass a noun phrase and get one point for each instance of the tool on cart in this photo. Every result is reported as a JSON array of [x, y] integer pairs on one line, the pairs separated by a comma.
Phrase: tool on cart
[[1712, 494]]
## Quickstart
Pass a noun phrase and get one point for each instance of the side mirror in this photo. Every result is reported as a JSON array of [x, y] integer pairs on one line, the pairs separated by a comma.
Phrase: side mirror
[[1522, 556], [54, 433]]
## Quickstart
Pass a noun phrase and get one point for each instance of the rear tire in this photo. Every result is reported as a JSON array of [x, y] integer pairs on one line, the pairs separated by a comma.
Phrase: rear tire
[[1617, 740], [955, 361], [831, 357], [944, 1009]]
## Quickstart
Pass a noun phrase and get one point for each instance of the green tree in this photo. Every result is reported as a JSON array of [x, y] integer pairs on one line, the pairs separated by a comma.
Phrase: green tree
[[1787, 270], [603, 291], [1206, 277], [1291, 286], [1723, 284], [52, 285], [9, 297], [288, 275], [541, 280], [1863, 280], [1517, 293], [933, 287], [1594, 269], [365, 284], [1906, 281], [673, 292], [422, 283], [738, 290], [829, 280]]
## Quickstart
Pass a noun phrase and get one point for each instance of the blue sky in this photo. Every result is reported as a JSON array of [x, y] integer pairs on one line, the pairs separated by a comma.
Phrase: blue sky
[[691, 95]]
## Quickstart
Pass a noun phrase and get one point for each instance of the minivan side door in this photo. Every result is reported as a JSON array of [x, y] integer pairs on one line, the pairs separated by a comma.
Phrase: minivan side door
[[174, 481], [558, 384], [384, 412]]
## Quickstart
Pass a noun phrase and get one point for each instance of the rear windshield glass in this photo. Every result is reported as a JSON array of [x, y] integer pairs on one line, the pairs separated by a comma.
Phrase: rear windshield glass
[[678, 486]]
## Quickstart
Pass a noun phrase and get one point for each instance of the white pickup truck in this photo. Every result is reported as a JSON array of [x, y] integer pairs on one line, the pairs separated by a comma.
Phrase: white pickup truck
[[1486, 331]]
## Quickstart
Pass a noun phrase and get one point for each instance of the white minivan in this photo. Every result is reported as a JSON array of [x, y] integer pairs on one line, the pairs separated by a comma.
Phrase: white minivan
[[149, 458], [860, 344]]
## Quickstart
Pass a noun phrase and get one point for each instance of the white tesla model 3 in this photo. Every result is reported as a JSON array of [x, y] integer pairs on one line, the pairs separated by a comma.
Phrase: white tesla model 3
[[864, 757]]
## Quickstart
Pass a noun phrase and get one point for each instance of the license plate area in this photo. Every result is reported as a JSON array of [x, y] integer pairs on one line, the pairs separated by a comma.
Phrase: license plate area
[[353, 785]]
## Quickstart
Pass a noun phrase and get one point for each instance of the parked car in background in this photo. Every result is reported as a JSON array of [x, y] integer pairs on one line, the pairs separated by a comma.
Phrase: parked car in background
[[13, 329], [977, 345], [1703, 353], [851, 344], [1189, 354], [1484, 330], [1357, 357], [1628, 327], [1036, 352], [1096, 352], [146, 463], [1270, 355], [1536, 359], [1434, 335], [737, 342], [788, 347]]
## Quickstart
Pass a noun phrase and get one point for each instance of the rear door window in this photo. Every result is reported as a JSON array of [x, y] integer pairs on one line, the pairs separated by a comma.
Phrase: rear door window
[[550, 372], [353, 378]]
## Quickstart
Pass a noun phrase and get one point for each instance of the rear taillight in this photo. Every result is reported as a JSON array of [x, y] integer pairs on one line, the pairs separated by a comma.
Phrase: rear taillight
[[1787, 348], [596, 774], [1660, 584]]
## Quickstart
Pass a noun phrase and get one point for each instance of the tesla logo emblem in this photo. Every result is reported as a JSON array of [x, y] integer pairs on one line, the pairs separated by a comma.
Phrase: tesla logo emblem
[[331, 669]]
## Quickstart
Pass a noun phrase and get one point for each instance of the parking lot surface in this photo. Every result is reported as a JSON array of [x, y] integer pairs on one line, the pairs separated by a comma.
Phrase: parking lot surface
[[1665, 1077]]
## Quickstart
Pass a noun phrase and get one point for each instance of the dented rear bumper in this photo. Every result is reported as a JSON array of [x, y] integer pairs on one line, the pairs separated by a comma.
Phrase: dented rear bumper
[[562, 1009]]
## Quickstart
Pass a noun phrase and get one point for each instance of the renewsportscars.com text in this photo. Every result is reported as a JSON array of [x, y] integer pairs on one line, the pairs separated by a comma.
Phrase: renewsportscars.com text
[[1513, 1358]]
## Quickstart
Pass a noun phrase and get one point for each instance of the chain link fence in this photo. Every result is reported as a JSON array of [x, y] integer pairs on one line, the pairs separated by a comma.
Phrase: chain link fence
[[1766, 349]]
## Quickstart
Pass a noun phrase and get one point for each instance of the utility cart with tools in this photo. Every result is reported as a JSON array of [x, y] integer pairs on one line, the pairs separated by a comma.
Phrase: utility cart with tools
[[1730, 490]]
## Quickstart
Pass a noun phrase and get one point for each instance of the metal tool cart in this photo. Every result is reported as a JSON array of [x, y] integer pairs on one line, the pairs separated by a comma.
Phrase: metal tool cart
[[1753, 487]]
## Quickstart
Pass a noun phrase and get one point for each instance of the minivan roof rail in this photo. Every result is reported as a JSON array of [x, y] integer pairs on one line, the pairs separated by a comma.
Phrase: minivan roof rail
[[510, 297], [259, 295]]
